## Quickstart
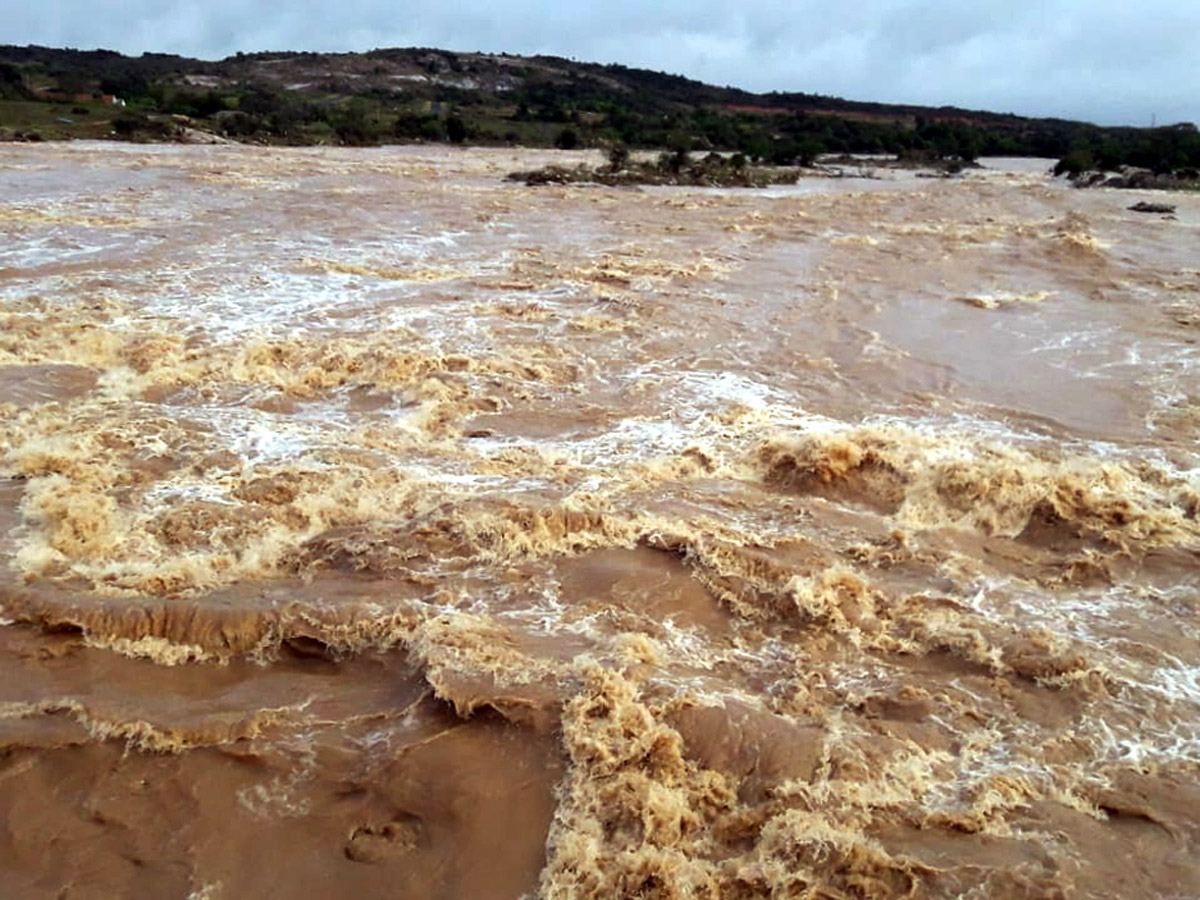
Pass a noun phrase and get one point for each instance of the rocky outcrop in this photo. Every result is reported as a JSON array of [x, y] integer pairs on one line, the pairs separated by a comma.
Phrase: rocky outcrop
[[1161, 208], [1133, 177]]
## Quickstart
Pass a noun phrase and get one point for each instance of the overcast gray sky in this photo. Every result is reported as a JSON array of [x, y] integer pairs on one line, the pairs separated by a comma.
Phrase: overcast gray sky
[[1109, 61]]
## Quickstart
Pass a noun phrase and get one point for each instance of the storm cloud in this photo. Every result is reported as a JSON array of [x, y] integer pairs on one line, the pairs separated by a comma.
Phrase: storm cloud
[[1107, 61]]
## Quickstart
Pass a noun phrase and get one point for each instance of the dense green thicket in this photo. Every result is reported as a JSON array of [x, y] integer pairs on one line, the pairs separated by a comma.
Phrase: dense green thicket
[[1161, 150], [12, 86]]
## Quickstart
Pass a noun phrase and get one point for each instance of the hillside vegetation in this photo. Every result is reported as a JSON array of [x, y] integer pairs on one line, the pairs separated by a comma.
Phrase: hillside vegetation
[[400, 95]]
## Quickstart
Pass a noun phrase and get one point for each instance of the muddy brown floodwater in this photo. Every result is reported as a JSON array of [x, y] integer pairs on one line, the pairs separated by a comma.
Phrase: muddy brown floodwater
[[372, 527]]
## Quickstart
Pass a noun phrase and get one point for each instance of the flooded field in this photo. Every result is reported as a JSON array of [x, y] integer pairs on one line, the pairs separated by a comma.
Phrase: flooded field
[[372, 527]]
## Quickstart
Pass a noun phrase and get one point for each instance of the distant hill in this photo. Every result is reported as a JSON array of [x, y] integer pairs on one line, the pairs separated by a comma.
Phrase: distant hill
[[411, 94]]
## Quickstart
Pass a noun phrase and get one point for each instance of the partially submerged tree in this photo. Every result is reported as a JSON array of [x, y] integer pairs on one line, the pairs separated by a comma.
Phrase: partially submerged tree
[[618, 157], [456, 130]]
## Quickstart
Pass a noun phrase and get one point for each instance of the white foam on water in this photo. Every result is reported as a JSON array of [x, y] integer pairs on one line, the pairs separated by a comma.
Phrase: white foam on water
[[168, 492], [718, 390], [263, 438], [67, 247]]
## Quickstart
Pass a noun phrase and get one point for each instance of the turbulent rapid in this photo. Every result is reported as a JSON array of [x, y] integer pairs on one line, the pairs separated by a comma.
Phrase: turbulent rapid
[[373, 527]]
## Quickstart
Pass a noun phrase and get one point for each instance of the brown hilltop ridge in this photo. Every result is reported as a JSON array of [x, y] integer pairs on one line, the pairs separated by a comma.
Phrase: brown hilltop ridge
[[420, 94], [423, 70]]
